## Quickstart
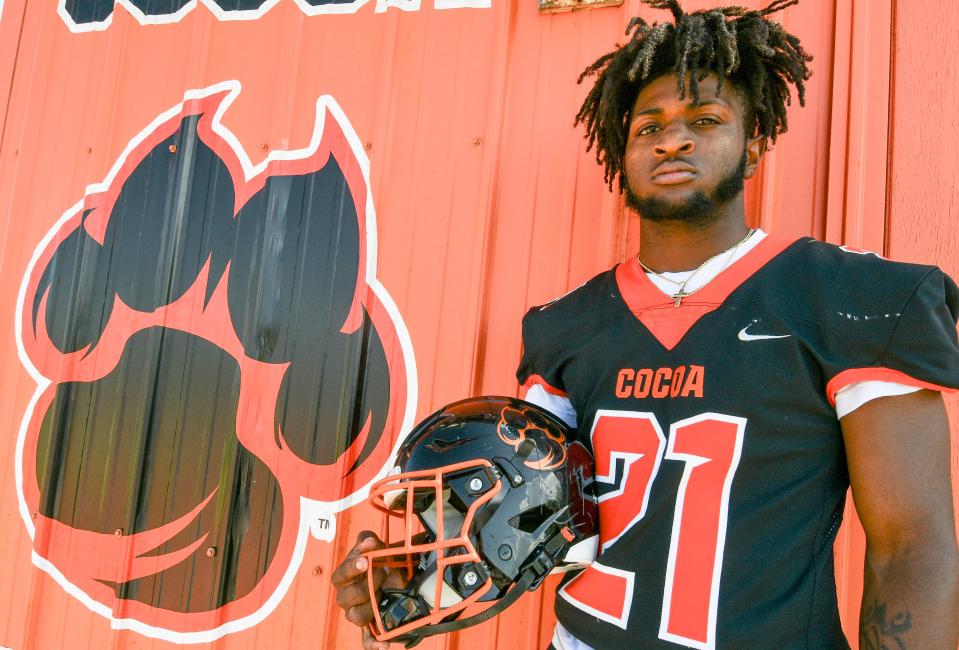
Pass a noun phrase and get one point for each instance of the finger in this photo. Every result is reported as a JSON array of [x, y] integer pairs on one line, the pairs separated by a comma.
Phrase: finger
[[357, 593], [393, 579], [360, 614], [370, 643], [381, 576], [345, 573], [348, 570], [352, 595], [368, 540], [354, 565]]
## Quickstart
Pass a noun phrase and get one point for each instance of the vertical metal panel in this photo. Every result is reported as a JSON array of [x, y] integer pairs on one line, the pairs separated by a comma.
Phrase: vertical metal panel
[[485, 202], [923, 195], [11, 20], [856, 208]]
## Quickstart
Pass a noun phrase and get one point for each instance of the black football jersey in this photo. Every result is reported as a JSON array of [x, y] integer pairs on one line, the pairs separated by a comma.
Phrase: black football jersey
[[720, 467]]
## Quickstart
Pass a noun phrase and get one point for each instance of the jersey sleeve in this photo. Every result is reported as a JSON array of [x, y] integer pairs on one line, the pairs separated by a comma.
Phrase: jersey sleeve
[[541, 364], [920, 347]]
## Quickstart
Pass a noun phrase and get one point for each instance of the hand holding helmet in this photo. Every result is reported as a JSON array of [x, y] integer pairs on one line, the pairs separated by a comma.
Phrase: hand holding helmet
[[352, 589]]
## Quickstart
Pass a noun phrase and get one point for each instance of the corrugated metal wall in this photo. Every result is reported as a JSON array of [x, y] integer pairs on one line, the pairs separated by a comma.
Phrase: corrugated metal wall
[[443, 137]]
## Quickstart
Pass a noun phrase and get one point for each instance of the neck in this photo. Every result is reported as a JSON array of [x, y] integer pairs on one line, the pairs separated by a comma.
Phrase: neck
[[678, 246]]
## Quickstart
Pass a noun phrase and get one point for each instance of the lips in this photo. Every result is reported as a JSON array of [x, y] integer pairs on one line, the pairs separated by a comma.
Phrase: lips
[[673, 173]]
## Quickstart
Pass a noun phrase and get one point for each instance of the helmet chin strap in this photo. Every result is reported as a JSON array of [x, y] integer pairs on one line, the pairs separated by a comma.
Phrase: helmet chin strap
[[524, 584], [533, 574]]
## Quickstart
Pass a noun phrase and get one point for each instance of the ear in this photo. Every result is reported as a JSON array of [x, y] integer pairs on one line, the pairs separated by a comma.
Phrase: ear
[[755, 148]]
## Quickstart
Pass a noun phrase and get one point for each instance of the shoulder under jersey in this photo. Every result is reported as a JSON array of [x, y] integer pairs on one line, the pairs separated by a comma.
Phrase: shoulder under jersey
[[744, 374]]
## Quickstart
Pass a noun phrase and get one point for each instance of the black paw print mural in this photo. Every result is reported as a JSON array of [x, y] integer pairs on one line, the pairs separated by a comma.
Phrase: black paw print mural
[[212, 351]]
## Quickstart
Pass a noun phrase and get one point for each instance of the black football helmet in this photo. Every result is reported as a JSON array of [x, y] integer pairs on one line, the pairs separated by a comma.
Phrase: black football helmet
[[490, 496]]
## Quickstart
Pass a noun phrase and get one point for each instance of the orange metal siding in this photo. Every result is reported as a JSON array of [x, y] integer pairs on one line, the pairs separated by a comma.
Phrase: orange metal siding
[[922, 209], [485, 201]]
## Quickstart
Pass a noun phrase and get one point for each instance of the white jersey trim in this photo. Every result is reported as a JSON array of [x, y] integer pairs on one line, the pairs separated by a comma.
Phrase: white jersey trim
[[851, 397], [558, 405], [563, 640], [668, 281]]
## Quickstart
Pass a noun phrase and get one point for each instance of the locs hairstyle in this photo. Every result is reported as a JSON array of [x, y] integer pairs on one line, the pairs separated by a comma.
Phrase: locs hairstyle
[[755, 54]]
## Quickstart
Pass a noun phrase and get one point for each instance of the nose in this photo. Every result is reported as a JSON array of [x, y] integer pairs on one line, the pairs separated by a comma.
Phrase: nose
[[674, 141]]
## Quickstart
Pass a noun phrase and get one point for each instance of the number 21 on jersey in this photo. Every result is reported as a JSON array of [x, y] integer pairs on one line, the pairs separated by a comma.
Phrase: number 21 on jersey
[[629, 448]]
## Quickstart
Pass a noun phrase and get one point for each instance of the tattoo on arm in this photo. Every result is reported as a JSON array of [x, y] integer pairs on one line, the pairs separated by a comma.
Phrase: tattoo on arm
[[878, 632]]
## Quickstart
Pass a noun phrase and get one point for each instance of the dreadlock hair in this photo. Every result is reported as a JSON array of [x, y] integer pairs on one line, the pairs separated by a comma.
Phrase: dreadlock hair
[[757, 55]]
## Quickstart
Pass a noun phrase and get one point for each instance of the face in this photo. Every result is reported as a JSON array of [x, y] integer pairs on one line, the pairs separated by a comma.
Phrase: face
[[685, 160]]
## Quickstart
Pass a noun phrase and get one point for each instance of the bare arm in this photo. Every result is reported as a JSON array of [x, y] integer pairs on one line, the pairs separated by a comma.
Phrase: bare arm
[[898, 454]]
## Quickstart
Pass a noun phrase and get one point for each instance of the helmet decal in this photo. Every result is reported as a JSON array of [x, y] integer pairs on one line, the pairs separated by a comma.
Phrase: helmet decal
[[523, 427]]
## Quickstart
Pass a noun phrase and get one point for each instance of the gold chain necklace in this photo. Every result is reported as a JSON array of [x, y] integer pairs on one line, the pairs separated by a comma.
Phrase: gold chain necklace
[[682, 293]]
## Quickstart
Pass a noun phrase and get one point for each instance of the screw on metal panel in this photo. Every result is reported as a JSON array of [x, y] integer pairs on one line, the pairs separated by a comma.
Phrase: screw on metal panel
[[172, 148], [477, 142], [211, 551], [470, 578], [476, 484], [89, 149], [118, 532], [505, 552], [264, 147], [368, 146], [317, 570]]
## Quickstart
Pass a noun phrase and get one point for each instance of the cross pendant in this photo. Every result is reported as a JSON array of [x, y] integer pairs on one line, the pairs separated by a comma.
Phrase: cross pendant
[[678, 297]]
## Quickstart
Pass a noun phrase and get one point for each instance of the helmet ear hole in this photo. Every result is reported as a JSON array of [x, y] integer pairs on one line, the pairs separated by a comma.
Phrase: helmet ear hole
[[530, 520], [453, 518], [525, 448]]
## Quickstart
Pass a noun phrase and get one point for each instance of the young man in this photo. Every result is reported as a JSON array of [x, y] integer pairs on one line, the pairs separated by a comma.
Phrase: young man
[[732, 385]]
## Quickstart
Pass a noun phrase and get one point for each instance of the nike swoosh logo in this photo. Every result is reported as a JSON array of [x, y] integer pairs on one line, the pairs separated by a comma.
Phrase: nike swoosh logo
[[743, 336]]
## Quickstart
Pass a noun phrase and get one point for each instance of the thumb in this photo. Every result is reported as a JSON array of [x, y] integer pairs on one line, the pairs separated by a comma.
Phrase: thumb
[[367, 540], [370, 643]]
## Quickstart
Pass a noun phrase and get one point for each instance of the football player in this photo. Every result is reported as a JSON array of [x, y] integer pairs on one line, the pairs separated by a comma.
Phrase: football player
[[733, 384]]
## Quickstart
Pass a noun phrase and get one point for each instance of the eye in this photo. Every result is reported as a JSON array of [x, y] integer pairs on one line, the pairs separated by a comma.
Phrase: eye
[[648, 129], [706, 121]]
